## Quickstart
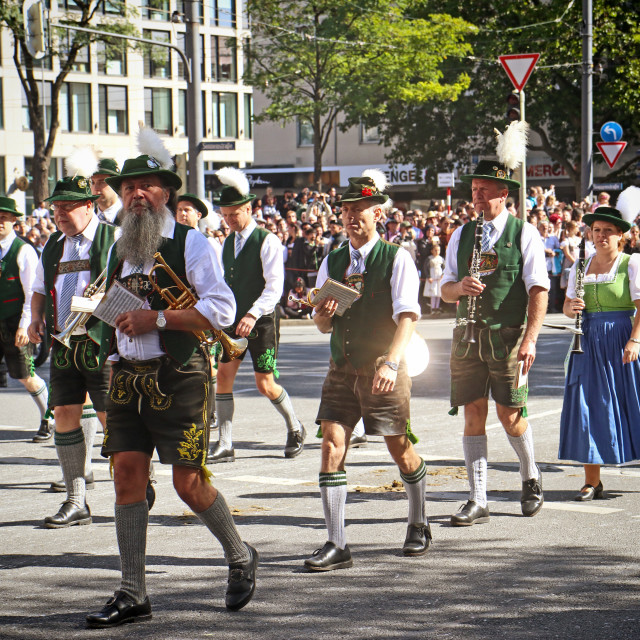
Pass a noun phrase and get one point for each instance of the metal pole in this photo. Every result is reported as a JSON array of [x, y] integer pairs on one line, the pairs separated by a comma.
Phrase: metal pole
[[195, 166], [523, 180], [586, 181]]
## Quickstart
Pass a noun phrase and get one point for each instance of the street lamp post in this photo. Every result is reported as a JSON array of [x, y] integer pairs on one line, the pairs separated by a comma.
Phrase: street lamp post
[[195, 176]]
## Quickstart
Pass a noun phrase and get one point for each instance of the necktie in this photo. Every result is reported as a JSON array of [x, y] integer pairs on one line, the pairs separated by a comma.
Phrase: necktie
[[136, 268], [486, 236], [239, 241], [69, 283], [354, 267]]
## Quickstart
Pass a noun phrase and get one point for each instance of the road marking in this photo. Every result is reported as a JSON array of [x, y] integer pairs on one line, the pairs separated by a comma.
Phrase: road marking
[[533, 416], [583, 508], [277, 481], [457, 496], [619, 472], [548, 386]]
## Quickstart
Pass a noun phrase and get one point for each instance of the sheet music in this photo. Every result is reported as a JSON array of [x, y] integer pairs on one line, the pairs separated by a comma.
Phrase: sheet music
[[117, 300], [345, 296], [521, 378]]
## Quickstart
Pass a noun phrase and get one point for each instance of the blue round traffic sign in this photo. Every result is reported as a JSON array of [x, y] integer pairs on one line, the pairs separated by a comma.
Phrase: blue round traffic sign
[[611, 132]]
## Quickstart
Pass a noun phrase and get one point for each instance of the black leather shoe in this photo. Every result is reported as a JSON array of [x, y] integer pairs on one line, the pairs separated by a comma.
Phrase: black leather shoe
[[242, 581], [45, 432], [118, 610], [418, 540], [532, 499], [59, 486], [151, 494], [68, 515], [221, 454], [589, 492], [295, 442], [355, 442], [470, 513], [329, 558]]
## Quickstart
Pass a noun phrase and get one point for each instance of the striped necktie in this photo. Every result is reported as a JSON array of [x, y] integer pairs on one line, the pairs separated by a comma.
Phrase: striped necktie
[[486, 236], [239, 243], [69, 283], [354, 267]]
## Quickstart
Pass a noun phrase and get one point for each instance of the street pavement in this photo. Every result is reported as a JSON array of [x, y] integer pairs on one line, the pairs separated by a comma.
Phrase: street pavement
[[572, 571]]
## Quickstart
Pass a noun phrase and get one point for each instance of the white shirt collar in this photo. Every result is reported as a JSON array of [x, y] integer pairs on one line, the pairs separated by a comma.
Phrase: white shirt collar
[[365, 250], [500, 221], [111, 212], [169, 225], [89, 231], [5, 244], [246, 232]]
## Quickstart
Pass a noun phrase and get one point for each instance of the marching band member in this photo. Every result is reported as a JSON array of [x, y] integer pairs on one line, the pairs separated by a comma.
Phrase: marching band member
[[511, 304], [18, 262], [108, 204], [72, 259], [158, 398], [600, 422], [253, 269], [367, 375]]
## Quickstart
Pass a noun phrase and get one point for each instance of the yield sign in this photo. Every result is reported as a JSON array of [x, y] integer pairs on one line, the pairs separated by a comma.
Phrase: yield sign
[[519, 67], [611, 151]]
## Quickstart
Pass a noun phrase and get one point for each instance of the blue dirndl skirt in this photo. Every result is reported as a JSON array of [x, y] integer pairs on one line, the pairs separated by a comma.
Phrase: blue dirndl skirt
[[600, 421]]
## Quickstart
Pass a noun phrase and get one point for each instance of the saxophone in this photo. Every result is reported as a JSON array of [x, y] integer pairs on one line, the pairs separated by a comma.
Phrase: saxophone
[[474, 272]]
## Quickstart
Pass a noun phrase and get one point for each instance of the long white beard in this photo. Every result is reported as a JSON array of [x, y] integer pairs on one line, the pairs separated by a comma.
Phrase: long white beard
[[141, 234]]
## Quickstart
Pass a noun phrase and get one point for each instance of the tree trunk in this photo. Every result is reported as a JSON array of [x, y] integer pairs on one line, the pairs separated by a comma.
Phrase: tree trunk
[[317, 151]]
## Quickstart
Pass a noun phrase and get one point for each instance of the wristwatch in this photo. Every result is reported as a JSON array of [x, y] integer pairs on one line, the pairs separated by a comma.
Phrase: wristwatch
[[161, 321], [634, 340], [392, 365]]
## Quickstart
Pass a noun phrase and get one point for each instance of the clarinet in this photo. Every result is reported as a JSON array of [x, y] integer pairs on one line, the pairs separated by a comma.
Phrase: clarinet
[[474, 271], [577, 342]]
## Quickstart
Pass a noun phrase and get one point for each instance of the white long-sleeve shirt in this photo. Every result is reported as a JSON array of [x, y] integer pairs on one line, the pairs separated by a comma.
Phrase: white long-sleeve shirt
[[27, 260]]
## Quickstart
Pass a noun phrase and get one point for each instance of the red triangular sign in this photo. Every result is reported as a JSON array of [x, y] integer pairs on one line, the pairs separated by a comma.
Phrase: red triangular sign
[[611, 151], [519, 67]]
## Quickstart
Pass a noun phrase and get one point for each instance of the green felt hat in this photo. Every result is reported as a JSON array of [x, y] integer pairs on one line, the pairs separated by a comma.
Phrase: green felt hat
[[107, 167], [363, 188], [607, 214], [144, 166], [492, 170], [72, 189], [230, 197], [196, 202], [9, 205]]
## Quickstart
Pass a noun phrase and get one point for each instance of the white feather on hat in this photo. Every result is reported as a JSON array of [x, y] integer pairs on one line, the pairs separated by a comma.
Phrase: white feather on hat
[[512, 144], [378, 177], [150, 144], [628, 204], [235, 178], [81, 162]]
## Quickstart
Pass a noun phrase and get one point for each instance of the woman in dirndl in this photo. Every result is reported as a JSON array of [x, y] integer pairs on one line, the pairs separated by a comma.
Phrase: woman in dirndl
[[600, 421]]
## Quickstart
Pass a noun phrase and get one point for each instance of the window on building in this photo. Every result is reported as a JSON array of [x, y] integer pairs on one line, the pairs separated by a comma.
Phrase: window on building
[[157, 109], [75, 107], [155, 10], [181, 128], [3, 186], [305, 133], [157, 60], [224, 67], [112, 58], [181, 43], [82, 63], [369, 135], [181, 9], [113, 109], [69, 5], [248, 116], [44, 99], [223, 13], [111, 7], [1, 111], [224, 115]]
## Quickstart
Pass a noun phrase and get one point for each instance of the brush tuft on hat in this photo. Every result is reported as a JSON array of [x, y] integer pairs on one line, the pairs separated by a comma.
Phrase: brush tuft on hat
[[235, 178], [378, 177], [150, 144], [512, 144], [628, 204], [81, 162]]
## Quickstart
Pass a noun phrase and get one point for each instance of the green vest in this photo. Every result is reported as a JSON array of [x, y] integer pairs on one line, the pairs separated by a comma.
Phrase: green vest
[[179, 345], [366, 330], [611, 296], [244, 274], [11, 292], [504, 301], [51, 256]]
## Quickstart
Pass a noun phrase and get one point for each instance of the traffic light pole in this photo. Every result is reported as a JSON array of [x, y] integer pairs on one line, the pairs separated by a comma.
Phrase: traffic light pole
[[523, 181], [195, 175], [586, 178]]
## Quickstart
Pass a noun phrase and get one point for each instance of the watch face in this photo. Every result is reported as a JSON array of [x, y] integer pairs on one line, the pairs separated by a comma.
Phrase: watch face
[[161, 322]]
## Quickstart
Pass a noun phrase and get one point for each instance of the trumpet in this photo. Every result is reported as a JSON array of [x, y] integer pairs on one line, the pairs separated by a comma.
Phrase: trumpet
[[80, 313], [233, 348], [306, 301]]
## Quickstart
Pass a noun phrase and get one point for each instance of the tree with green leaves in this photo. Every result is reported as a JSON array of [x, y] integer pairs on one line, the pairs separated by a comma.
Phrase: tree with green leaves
[[336, 63], [439, 136], [63, 46]]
